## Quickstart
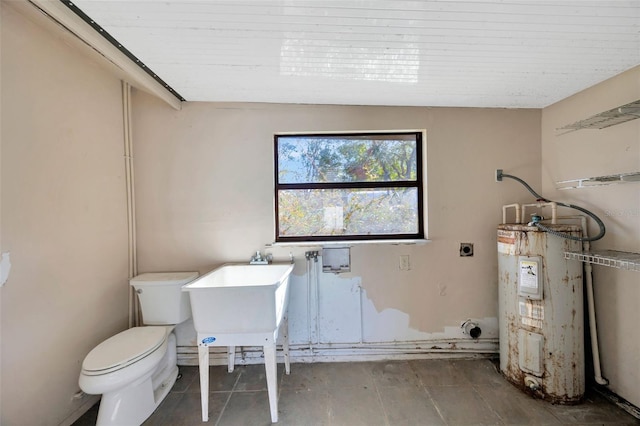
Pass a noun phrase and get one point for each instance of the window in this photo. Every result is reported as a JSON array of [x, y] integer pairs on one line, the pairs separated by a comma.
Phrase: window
[[352, 186]]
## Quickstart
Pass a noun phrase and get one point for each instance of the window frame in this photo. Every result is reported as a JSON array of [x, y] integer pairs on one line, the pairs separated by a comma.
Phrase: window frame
[[418, 184]]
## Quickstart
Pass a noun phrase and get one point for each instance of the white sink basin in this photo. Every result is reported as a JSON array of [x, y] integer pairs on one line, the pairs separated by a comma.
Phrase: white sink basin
[[241, 305], [239, 298]]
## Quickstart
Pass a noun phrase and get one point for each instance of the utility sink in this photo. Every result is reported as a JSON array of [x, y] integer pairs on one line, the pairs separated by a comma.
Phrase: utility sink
[[241, 305], [239, 298]]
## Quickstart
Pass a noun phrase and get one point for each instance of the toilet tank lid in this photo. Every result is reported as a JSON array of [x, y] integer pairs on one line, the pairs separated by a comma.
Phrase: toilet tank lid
[[164, 278]]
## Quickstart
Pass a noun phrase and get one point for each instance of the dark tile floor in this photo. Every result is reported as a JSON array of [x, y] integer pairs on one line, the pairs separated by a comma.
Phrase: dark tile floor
[[417, 392]]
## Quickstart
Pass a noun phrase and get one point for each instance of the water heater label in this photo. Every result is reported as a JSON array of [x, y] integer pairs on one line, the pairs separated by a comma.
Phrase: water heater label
[[531, 313], [506, 242], [530, 277], [529, 274]]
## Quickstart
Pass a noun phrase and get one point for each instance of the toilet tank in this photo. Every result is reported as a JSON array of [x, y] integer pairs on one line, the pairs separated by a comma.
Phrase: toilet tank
[[161, 299]]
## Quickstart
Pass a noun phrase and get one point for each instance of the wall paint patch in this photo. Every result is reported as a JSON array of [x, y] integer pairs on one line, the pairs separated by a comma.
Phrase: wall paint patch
[[393, 325], [5, 268]]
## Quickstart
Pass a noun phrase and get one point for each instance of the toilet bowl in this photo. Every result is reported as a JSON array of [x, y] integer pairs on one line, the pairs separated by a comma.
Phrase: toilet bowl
[[135, 369]]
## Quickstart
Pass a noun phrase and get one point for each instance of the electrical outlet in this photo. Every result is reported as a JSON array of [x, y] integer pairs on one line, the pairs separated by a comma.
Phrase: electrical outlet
[[498, 175], [405, 264]]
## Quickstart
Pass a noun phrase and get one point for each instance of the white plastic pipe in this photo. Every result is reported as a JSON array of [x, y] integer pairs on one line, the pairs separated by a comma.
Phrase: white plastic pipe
[[516, 206], [591, 307], [134, 310], [554, 210], [524, 209]]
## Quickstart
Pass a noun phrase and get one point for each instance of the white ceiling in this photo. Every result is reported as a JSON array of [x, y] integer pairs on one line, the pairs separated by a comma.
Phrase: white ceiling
[[377, 52]]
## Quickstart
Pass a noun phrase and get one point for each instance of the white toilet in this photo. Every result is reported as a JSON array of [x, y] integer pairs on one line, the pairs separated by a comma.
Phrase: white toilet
[[134, 370]]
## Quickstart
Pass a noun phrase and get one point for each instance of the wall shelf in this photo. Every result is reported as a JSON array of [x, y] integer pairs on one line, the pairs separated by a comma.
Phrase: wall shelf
[[612, 258], [599, 181], [609, 118]]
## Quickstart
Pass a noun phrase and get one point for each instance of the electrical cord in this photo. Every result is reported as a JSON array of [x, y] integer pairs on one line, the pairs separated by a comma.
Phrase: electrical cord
[[571, 206]]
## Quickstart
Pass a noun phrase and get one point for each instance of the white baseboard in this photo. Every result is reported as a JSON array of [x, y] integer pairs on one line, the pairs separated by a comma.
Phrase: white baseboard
[[345, 352], [89, 401]]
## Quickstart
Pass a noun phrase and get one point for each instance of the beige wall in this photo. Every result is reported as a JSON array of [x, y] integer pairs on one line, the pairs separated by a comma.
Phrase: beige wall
[[586, 153], [63, 219], [0, 206], [204, 179], [204, 188]]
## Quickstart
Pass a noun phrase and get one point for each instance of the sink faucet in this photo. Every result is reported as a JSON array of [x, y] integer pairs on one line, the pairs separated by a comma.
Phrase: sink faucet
[[257, 259]]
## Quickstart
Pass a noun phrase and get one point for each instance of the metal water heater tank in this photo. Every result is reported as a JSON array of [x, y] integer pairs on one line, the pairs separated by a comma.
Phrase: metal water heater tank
[[541, 312]]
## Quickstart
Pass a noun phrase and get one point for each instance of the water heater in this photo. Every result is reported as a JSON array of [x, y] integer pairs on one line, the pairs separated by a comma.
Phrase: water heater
[[541, 312]]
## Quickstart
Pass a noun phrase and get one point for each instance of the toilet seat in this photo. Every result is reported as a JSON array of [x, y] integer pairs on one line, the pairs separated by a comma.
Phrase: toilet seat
[[124, 349]]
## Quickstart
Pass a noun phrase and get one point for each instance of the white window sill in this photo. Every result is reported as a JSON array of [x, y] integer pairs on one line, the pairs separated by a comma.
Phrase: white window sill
[[349, 243]]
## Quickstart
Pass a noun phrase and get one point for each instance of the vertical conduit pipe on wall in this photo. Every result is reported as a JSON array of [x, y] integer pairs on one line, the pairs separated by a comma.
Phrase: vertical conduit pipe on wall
[[591, 310], [309, 303], [134, 316], [316, 280], [591, 306], [360, 296], [312, 281]]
